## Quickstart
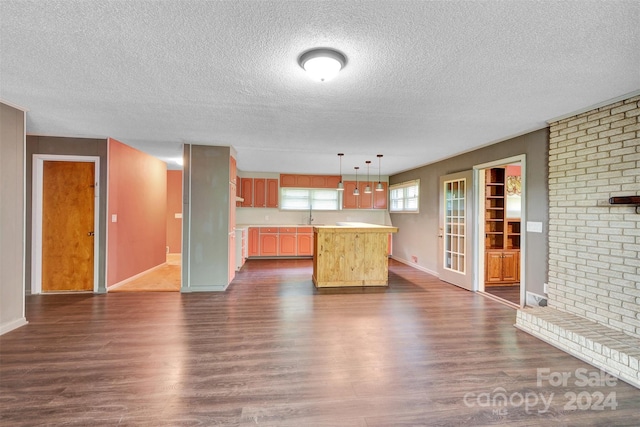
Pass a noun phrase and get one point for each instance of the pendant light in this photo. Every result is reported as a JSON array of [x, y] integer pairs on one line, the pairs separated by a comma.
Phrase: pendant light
[[367, 189], [340, 184], [379, 186], [356, 192]]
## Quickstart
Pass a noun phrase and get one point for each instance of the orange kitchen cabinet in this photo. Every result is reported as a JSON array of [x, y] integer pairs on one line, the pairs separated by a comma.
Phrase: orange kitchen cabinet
[[305, 243], [268, 243], [254, 241], [246, 192]]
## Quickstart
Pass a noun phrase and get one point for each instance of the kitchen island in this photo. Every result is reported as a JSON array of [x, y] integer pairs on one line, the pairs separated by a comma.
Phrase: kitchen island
[[351, 254]]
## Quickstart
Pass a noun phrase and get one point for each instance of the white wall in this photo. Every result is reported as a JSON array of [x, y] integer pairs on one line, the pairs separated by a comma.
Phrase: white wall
[[12, 143]]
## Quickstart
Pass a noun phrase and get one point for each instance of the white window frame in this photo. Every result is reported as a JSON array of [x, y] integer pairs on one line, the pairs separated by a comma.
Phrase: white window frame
[[309, 199], [406, 199]]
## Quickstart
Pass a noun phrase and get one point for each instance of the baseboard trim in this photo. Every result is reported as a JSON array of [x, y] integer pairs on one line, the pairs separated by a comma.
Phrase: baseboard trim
[[208, 288], [414, 265], [129, 279], [14, 324]]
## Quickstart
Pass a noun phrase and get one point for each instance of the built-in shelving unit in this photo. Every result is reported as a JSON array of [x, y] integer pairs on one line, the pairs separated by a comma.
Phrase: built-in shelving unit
[[502, 234]]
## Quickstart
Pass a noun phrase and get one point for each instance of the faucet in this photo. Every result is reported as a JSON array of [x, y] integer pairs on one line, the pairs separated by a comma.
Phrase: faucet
[[310, 217]]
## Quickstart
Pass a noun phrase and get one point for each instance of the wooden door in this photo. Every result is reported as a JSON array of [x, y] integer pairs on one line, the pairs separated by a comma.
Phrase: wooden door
[[68, 226]]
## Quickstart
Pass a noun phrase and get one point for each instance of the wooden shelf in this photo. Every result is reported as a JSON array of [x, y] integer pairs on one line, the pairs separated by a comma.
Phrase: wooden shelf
[[502, 235]]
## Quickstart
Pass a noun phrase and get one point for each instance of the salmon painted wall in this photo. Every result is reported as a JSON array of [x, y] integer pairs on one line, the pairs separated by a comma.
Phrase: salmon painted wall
[[137, 188], [174, 206]]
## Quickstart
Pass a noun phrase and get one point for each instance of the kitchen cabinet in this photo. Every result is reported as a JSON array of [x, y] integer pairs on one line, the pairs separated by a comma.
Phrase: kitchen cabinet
[[287, 241], [380, 197], [280, 241], [502, 266], [373, 200], [254, 241], [366, 199], [246, 192], [268, 241], [305, 241], [309, 181], [265, 193], [272, 193], [349, 201]]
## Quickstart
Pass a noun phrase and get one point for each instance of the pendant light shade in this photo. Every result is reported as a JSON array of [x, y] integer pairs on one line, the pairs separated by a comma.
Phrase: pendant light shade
[[379, 186], [340, 184], [356, 192], [322, 64], [367, 188]]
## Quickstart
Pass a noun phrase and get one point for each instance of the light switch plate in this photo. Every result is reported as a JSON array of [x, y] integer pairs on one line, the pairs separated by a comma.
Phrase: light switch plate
[[534, 227], [114, 217], [178, 215]]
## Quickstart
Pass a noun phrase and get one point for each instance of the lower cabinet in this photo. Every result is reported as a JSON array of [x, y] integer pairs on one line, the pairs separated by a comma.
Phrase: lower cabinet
[[288, 245], [280, 241], [502, 267], [305, 243], [254, 241], [268, 243]]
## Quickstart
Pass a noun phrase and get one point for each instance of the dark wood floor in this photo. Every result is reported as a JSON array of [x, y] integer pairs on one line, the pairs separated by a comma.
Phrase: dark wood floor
[[272, 351], [509, 293]]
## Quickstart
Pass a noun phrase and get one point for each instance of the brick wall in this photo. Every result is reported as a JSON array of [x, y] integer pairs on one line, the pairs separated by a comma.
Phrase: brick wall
[[594, 248]]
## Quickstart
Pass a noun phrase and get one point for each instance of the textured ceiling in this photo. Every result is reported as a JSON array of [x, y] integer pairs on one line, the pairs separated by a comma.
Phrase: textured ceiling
[[425, 80]]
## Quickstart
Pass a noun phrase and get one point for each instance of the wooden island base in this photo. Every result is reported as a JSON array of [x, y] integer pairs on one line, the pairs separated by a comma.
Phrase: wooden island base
[[351, 254]]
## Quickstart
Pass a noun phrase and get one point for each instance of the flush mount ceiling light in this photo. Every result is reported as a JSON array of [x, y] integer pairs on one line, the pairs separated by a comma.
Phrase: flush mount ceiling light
[[322, 64]]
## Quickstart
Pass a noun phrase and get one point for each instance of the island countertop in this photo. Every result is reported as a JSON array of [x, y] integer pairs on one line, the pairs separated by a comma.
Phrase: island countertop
[[361, 226]]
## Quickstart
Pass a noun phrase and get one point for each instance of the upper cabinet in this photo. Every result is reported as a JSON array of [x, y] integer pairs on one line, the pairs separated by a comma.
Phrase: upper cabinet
[[309, 181], [246, 192], [373, 200], [259, 192]]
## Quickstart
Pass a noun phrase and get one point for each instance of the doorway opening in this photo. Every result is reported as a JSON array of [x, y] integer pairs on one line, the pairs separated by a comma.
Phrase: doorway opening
[[500, 238], [164, 277]]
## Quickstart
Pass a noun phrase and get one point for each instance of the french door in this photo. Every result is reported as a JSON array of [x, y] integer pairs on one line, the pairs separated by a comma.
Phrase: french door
[[455, 229]]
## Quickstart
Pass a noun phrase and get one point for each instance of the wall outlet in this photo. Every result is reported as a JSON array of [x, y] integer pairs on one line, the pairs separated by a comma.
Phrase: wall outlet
[[545, 288]]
